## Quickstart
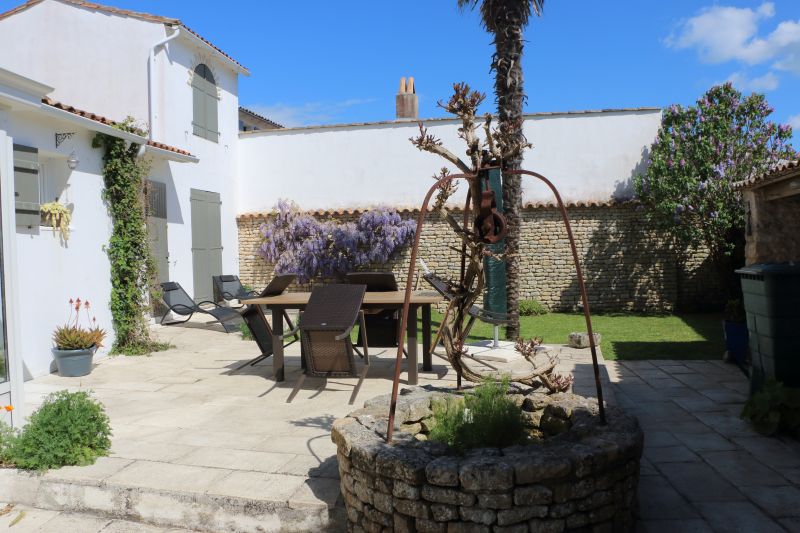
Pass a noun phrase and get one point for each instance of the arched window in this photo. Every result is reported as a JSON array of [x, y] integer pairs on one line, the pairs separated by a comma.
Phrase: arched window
[[204, 91]]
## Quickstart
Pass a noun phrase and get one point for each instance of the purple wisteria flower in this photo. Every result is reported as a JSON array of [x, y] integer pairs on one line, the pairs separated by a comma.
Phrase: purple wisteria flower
[[298, 243]]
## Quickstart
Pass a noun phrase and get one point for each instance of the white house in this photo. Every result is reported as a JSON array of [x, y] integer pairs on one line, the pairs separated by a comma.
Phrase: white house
[[96, 66]]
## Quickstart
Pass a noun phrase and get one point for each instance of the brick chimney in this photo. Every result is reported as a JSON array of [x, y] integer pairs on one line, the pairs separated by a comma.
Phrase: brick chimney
[[406, 101]]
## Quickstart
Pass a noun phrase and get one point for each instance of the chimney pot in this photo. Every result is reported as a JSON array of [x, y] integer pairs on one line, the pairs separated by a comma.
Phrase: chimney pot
[[406, 101]]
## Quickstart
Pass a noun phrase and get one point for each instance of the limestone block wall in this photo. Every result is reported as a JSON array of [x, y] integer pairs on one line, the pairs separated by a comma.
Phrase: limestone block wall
[[628, 267], [583, 480]]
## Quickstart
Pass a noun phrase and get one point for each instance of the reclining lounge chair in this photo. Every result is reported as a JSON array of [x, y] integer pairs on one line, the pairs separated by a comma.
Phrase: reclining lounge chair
[[180, 303], [229, 287]]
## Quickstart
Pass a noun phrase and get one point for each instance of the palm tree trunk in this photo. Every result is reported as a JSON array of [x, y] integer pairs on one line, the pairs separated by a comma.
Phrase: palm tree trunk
[[507, 64]]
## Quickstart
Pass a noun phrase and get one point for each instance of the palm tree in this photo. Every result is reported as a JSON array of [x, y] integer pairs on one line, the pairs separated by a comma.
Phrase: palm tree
[[506, 21]]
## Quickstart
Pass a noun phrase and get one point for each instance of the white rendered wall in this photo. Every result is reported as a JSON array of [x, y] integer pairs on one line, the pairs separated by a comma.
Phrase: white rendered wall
[[95, 61], [589, 156], [98, 62], [49, 274], [216, 171]]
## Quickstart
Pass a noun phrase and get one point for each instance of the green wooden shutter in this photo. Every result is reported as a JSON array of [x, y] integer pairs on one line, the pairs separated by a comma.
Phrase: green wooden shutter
[[206, 102], [212, 130], [199, 117], [26, 185]]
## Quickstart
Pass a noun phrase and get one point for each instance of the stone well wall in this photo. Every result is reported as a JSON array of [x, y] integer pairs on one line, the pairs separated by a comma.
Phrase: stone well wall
[[627, 266], [583, 476]]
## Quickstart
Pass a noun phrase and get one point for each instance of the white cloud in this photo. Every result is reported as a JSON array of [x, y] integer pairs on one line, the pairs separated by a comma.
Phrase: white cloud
[[767, 82], [309, 113], [794, 122], [721, 33]]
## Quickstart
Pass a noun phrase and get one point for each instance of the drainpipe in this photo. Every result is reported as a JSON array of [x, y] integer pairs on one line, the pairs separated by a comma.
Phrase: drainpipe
[[151, 71]]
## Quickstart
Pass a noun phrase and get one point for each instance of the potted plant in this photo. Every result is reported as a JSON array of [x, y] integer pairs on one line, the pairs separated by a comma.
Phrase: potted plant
[[735, 329], [74, 344]]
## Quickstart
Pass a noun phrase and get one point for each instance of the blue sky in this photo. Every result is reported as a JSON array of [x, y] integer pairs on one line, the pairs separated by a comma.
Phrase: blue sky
[[330, 62]]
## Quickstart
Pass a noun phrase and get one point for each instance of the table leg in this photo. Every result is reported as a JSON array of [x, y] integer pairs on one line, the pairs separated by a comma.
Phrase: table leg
[[277, 344], [411, 334], [426, 338]]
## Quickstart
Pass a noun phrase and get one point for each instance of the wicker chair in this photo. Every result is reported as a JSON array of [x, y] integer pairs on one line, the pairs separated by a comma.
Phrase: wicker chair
[[325, 327], [382, 325]]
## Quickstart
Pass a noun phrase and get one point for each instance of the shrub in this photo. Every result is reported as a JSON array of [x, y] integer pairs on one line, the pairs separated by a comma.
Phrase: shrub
[[734, 311], [8, 436], [532, 308], [699, 153], [70, 428], [487, 417], [300, 244], [775, 408]]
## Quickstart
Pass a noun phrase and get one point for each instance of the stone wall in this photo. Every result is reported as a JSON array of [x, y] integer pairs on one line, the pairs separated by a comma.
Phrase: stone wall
[[581, 476], [627, 266], [773, 223]]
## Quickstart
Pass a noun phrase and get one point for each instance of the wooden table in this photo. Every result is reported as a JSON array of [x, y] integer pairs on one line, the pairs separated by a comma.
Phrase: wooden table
[[372, 300]]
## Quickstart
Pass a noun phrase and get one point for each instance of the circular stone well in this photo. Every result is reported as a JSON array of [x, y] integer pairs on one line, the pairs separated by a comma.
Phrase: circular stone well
[[576, 474]]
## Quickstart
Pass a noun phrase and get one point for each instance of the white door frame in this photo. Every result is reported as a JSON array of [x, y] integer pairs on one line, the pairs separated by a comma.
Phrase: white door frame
[[10, 285]]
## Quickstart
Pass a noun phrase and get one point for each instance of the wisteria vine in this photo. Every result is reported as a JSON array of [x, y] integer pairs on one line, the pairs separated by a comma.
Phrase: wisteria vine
[[297, 243]]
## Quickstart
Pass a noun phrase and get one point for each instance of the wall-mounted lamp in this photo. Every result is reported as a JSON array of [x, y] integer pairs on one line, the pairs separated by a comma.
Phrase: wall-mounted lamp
[[72, 161]]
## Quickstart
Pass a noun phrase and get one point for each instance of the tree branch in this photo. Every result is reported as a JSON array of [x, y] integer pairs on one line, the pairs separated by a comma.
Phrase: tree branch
[[428, 143]]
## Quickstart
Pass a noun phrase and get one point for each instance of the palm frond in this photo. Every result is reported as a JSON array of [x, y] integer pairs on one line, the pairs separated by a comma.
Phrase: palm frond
[[497, 12]]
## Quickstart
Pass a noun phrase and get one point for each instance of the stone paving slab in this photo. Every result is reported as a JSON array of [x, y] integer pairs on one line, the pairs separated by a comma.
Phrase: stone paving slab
[[738, 517]]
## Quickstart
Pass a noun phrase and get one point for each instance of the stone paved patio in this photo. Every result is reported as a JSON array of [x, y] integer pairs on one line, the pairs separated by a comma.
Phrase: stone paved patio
[[189, 431], [704, 469]]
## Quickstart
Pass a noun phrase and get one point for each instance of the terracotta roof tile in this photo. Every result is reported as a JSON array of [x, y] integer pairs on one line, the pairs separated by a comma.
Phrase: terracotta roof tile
[[125, 13], [261, 117], [341, 211], [778, 171], [108, 122]]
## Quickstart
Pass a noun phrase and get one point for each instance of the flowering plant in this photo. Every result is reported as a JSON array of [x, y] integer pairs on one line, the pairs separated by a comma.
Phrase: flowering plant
[[699, 153], [72, 335], [300, 244]]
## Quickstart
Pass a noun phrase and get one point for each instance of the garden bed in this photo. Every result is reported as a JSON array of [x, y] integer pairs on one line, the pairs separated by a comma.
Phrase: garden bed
[[575, 472]]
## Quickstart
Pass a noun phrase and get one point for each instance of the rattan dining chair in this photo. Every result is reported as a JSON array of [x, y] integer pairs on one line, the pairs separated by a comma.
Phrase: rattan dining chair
[[325, 327]]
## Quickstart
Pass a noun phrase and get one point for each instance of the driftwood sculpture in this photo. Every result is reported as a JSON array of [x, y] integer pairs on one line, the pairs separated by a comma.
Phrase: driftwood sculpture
[[487, 227]]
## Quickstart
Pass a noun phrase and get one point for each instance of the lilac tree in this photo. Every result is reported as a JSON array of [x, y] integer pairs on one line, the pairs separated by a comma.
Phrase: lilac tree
[[699, 153], [297, 243]]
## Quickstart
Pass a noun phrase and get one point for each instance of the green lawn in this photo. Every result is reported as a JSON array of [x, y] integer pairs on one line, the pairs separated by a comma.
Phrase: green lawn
[[626, 336]]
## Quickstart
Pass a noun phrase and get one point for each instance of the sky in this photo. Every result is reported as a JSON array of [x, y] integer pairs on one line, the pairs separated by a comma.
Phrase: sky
[[322, 62]]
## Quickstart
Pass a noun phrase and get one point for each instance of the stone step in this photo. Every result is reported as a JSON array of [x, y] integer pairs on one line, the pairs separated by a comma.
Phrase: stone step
[[165, 495], [26, 518]]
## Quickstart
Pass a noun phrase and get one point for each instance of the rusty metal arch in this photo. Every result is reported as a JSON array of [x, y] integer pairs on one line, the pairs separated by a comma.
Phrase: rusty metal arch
[[410, 279]]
